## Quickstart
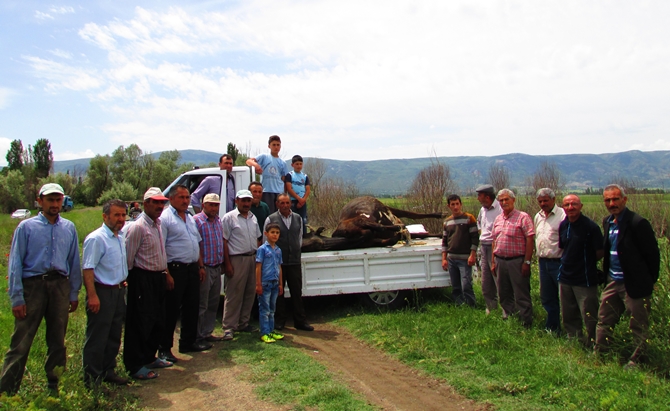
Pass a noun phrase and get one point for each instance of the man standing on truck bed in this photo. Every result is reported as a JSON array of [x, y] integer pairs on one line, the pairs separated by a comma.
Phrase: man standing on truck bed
[[212, 184], [290, 241], [273, 170]]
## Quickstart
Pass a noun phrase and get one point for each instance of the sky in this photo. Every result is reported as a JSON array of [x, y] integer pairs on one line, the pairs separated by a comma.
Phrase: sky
[[348, 80]]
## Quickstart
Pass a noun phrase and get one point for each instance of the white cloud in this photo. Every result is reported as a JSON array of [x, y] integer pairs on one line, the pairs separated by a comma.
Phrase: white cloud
[[43, 16], [5, 95], [359, 80], [61, 53], [69, 155], [61, 9]]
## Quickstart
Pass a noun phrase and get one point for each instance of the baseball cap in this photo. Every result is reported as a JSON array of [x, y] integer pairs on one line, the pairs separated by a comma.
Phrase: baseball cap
[[155, 193], [51, 188], [486, 188], [211, 198], [244, 194]]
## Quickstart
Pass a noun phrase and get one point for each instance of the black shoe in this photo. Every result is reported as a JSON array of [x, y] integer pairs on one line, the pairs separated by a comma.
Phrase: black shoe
[[113, 378], [304, 327], [196, 347], [248, 329], [167, 355]]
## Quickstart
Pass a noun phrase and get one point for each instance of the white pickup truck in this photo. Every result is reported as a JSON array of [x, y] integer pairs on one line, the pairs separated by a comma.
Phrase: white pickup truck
[[383, 276]]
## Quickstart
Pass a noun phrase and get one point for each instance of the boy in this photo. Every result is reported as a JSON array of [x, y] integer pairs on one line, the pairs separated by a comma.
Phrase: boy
[[273, 169], [297, 185], [269, 283], [459, 250]]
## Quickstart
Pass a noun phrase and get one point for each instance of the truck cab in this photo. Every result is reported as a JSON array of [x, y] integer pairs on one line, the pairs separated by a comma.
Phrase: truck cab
[[243, 175]]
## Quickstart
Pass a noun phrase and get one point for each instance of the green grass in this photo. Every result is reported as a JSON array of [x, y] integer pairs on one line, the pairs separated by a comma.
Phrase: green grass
[[286, 375]]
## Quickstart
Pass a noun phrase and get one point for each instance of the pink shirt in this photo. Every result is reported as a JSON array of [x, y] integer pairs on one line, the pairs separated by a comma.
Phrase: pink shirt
[[510, 232], [144, 244]]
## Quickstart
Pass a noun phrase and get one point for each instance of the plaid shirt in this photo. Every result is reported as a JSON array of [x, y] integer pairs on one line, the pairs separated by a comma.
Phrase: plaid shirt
[[510, 232], [211, 245]]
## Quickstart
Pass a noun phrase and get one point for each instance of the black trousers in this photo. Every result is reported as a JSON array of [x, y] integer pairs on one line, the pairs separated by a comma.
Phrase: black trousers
[[292, 274], [145, 318], [182, 302]]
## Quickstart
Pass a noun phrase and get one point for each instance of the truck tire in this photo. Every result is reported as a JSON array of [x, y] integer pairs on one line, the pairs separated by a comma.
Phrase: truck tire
[[387, 300]]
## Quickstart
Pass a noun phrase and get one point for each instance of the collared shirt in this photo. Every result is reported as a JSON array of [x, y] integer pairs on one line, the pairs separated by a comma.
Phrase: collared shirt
[[39, 247], [616, 271], [144, 244], [212, 184], [181, 237], [261, 211], [211, 232], [274, 168], [240, 233], [460, 237], [485, 220], [102, 253], [546, 233], [287, 222], [271, 259], [510, 233]]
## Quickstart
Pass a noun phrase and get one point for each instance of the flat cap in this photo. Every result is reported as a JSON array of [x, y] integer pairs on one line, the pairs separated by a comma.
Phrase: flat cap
[[486, 188]]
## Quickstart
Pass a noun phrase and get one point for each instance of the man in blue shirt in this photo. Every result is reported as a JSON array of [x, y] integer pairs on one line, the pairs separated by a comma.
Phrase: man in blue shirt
[[105, 273], [632, 268], [44, 282], [186, 269], [273, 170]]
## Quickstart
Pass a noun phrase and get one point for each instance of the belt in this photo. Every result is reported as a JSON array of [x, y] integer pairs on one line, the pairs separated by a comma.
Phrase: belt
[[244, 254], [550, 259], [122, 284], [509, 258], [177, 264], [50, 275], [213, 266]]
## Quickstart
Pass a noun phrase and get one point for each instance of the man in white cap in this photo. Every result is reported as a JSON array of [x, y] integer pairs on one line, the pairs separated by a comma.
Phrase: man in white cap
[[211, 251], [147, 281], [240, 234], [44, 282]]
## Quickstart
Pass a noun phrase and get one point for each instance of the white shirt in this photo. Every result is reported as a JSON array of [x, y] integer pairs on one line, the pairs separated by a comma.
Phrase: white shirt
[[485, 221], [546, 233]]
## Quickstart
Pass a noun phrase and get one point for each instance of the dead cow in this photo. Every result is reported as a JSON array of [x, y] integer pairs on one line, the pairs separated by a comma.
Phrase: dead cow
[[367, 222]]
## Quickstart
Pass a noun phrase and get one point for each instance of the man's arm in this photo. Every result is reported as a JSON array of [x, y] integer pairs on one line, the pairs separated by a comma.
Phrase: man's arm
[[281, 281], [92, 295], [530, 241], [16, 256], [75, 271], [445, 247], [133, 240], [474, 240], [228, 267], [210, 184], [259, 284], [308, 190], [251, 162]]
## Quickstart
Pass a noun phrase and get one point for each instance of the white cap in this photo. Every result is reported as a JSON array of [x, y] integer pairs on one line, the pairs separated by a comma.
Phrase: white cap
[[211, 198], [155, 193], [244, 194], [51, 188]]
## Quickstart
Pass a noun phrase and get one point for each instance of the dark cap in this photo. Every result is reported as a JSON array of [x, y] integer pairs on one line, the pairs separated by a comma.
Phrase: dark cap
[[486, 188]]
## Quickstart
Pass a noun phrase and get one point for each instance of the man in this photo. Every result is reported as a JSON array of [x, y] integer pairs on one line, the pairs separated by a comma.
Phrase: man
[[147, 281], [240, 235], [185, 268], [258, 207], [272, 170], [549, 254], [44, 282], [212, 184], [459, 251], [211, 252], [105, 273], [582, 245], [487, 215], [289, 242], [632, 266], [513, 236]]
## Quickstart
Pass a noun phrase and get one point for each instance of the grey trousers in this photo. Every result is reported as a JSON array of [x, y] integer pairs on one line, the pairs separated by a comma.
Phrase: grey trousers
[[240, 293], [489, 287], [48, 299], [103, 333], [514, 290], [615, 301], [579, 308], [210, 292]]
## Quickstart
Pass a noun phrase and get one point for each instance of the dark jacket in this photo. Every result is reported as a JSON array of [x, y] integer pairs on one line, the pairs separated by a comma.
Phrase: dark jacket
[[289, 239], [638, 253]]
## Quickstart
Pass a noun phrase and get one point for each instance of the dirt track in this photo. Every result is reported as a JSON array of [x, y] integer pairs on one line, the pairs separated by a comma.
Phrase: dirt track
[[204, 381]]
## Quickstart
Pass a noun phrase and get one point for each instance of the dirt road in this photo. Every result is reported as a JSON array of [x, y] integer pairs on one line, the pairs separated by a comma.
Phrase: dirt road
[[204, 381]]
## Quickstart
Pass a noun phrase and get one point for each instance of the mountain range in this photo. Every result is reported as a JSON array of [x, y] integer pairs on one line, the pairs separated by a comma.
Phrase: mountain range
[[649, 169]]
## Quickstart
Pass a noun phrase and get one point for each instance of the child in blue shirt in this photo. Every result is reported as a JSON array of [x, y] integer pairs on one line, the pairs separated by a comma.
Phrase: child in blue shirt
[[269, 283], [273, 169], [297, 185]]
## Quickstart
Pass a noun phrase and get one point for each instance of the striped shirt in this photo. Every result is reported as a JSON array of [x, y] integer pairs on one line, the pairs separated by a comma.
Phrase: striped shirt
[[460, 236], [616, 272], [144, 244], [211, 246], [510, 233]]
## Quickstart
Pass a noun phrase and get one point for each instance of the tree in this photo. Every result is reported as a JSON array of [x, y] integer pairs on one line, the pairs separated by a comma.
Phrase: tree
[[499, 177], [98, 178], [11, 191], [233, 151], [43, 157], [429, 190], [15, 155], [122, 191]]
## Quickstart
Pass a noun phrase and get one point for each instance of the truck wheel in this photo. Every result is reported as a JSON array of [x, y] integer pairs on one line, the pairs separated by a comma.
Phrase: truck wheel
[[387, 300]]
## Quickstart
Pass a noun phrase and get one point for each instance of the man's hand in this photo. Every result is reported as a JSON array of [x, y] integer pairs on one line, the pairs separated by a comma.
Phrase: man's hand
[[301, 202], [228, 271], [281, 289], [259, 289], [472, 259], [169, 281], [94, 303], [259, 169], [493, 267], [202, 274], [445, 264], [525, 270], [73, 306], [19, 312]]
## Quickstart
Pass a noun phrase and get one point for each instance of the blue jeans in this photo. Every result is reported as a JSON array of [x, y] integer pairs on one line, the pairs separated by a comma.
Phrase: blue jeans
[[461, 282], [549, 287], [267, 303]]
